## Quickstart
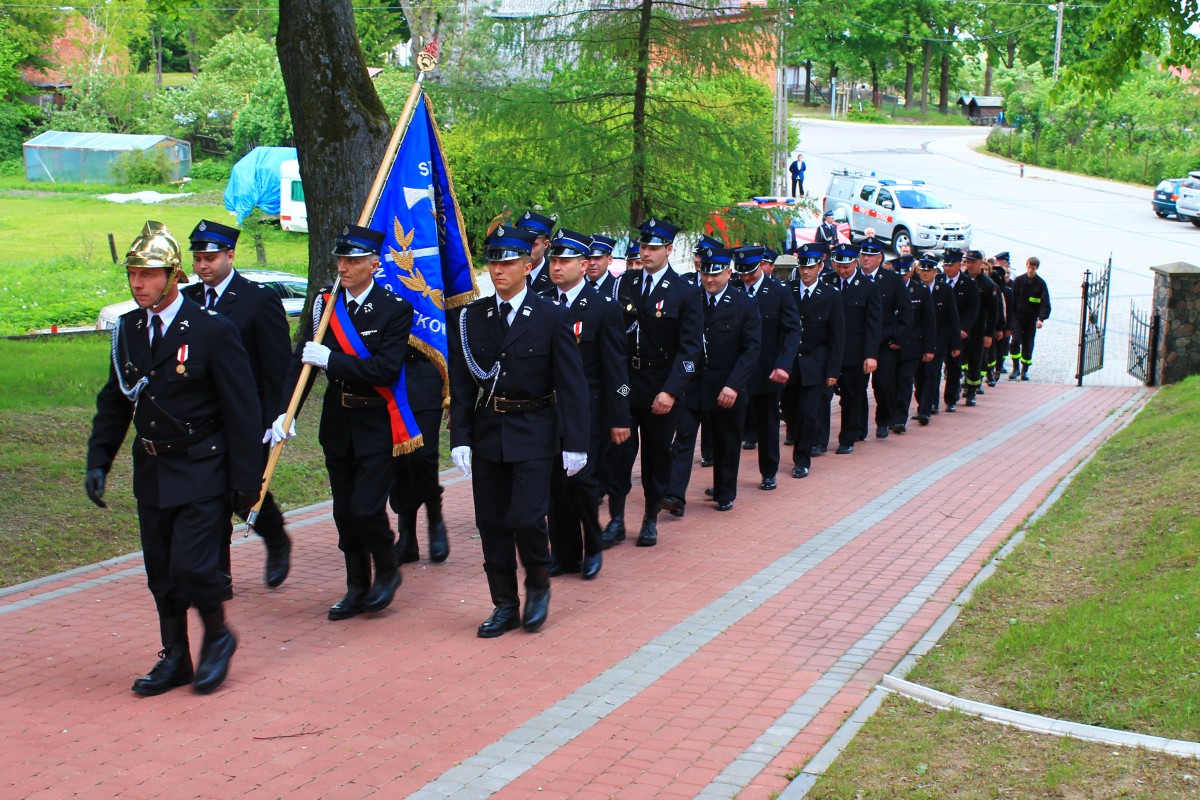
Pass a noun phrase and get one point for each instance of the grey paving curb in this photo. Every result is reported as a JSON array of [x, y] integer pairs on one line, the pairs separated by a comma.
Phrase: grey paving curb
[[816, 767]]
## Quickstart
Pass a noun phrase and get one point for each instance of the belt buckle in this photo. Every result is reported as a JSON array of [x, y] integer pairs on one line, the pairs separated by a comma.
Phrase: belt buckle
[[496, 405], [635, 362], [148, 446]]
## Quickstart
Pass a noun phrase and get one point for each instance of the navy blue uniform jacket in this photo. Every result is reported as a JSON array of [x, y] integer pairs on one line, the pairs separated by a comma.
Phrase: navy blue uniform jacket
[[824, 334], [732, 337], [667, 335], [780, 334], [862, 307]]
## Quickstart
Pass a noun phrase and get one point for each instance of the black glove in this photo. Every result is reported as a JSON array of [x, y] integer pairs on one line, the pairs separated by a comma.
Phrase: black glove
[[94, 485], [242, 501]]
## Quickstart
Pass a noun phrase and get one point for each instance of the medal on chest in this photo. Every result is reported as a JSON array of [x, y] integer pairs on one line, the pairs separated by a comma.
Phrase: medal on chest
[[658, 308], [181, 356], [578, 328]]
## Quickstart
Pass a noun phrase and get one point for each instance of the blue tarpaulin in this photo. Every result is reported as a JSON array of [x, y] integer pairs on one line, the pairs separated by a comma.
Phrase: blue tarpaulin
[[254, 181]]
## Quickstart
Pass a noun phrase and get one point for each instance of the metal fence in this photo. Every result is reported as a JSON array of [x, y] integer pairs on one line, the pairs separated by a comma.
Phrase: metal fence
[[1143, 345], [1093, 317]]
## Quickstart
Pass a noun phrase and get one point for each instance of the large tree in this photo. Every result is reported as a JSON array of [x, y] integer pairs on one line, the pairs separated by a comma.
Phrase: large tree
[[341, 127]]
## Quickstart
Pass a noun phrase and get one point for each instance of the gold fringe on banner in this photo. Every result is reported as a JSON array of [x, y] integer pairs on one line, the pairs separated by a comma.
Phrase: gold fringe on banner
[[466, 297], [411, 446]]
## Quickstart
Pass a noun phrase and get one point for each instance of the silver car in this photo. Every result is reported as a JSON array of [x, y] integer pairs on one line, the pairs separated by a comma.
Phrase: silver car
[[1187, 207], [292, 291]]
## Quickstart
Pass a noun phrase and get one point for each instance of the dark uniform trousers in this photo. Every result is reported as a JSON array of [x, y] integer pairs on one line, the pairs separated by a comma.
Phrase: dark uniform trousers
[[726, 426], [862, 306], [896, 311], [985, 325], [1024, 334], [416, 478], [781, 329], [967, 301], [664, 354], [515, 452], [356, 432], [182, 494], [596, 323], [688, 421]]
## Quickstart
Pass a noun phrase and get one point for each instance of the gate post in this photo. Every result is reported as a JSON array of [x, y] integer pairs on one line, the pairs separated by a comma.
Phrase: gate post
[[1177, 305]]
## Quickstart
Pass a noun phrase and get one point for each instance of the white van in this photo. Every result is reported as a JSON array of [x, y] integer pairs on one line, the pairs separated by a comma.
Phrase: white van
[[293, 214], [901, 211]]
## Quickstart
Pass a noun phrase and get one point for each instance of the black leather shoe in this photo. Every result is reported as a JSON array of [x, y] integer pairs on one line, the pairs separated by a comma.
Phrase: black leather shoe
[[215, 654], [749, 445], [991, 382], [351, 605], [174, 668], [613, 533], [706, 462], [881, 431], [279, 560], [767, 484], [671, 503], [407, 549], [677, 512], [936, 409], [969, 402], [537, 598], [980, 391], [788, 441], [1014, 376], [950, 408], [845, 449], [862, 438], [725, 506], [800, 472], [557, 569], [648, 535], [899, 428], [439, 542], [708, 492], [383, 591], [591, 566], [824, 449], [922, 419], [815, 451], [504, 618], [1024, 377]]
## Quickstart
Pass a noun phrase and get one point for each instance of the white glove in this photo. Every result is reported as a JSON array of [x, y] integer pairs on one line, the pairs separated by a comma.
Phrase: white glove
[[573, 462], [276, 434], [315, 354], [461, 456]]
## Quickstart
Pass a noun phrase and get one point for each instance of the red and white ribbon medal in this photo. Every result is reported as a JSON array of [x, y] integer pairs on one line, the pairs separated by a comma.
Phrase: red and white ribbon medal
[[181, 356]]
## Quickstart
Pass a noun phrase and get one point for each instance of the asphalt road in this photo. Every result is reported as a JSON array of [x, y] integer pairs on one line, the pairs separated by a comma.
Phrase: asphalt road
[[1072, 223]]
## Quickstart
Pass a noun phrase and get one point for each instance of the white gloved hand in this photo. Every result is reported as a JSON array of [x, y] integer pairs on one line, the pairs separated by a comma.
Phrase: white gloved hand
[[573, 462], [276, 434], [315, 354], [461, 456]]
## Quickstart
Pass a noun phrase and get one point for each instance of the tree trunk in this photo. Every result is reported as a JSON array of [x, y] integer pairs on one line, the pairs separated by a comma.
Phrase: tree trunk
[[1012, 51], [158, 46], [944, 86], [925, 77], [909, 69], [193, 63], [808, 82], [637, 200], [341, 127], [876, 95]]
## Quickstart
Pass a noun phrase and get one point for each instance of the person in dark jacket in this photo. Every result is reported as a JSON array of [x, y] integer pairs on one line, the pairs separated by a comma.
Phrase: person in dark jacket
[[777, 355], [966, 296], [416, 482], [518, 408], [947, 341], [897, 315], [259, 317], [862, 308], [1003, 278], [984, 330], [181, 377], [819, 360], [596, 326], [1031, 307], [917, 343]]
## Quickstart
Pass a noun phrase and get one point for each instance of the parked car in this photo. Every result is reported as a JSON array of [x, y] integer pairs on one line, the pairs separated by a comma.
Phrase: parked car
[[903, 212], [1165, 195], [292, 291], [1187, 206], [754, 220]]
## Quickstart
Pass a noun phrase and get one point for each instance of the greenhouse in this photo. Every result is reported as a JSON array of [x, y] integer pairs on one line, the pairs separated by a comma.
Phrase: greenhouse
[[67, 157]]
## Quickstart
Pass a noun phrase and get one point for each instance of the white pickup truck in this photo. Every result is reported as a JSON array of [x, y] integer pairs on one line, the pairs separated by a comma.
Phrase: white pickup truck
[[903, 212]]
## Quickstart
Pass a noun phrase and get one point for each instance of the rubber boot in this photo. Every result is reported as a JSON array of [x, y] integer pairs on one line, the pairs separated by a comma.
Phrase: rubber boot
[[614, 531], [439, 542], [387, 580], [174, 667], [358, 580], [1024, 372], [407, 548], [216, 651], [537, 598], [1016, 370], [507, 616]]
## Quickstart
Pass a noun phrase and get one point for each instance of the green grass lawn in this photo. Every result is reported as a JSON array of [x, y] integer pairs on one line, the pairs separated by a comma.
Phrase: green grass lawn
[[1093, 618]]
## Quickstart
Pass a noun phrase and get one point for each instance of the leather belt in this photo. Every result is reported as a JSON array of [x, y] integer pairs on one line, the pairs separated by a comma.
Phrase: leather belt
[[350, 400], [650, 363], [163, 446], [504, 405]]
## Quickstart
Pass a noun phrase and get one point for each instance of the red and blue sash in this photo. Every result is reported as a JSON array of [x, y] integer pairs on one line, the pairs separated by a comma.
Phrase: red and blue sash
[[404, 424]]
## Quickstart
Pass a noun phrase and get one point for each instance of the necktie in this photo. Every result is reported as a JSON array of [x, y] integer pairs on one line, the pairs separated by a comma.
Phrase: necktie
[[352, 307], [712, 304], [212, 298], [562, 298], [845, 283], [750, 291], [806, 292], [505, 310], [156, 333], [647, 286]]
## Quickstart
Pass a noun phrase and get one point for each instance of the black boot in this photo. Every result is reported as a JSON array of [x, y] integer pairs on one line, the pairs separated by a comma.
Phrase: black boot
[[1024, 372], [648, 535], [614, 531], [387, 581], [537, 598], [216, 651], [279, 559], [439, 543], [407, 549], [174, 667], [358, 579], [507, 616], [1016, 370]]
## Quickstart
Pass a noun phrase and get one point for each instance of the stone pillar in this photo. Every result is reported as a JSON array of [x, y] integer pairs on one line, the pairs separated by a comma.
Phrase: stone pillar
[[1177, 304]]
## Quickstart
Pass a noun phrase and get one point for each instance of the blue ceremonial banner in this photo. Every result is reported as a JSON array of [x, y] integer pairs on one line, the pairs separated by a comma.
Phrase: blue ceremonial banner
[[425, 257]]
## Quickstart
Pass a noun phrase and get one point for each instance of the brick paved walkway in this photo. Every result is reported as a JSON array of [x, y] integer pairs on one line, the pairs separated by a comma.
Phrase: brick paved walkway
[[707, 666]]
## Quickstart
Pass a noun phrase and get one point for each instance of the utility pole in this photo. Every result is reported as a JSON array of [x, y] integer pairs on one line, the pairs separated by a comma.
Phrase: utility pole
[[1058, 39], [780, 133]]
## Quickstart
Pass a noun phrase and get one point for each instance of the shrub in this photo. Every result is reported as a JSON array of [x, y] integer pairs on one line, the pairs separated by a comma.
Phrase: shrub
[[211, 169], [142, 167]]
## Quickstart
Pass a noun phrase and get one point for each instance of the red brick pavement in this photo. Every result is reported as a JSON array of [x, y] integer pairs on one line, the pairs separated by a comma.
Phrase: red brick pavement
[[384, 705]]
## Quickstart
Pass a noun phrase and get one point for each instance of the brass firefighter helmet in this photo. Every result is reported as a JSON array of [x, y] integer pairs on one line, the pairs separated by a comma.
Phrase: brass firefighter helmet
[[155, 247]]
